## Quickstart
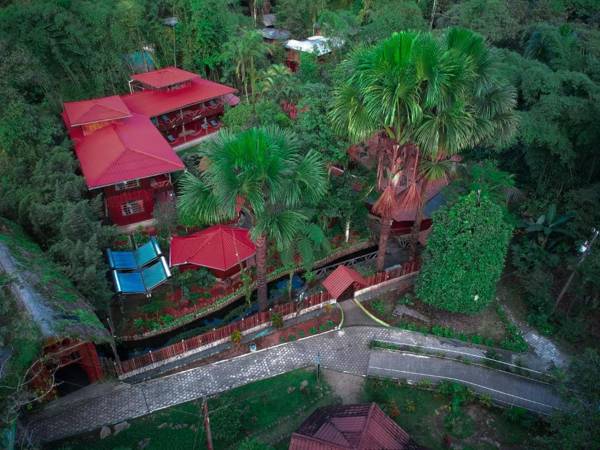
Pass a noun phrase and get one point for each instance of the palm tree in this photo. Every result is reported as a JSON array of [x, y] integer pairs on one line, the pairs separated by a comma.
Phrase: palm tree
[[261, 171], [433, 98], [245, 54]]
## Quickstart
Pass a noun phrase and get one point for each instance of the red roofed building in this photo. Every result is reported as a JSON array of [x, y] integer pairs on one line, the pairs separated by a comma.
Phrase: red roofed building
[[356, 427], [126, 144], [342, 282], [221, 248]]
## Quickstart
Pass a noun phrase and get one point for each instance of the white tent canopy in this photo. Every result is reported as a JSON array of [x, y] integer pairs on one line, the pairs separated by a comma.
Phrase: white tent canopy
[[317, 45]]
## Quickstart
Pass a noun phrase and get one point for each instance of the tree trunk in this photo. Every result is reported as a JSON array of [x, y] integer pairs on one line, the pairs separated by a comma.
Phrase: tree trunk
[[384, 235], [261, 273], [416, 228]]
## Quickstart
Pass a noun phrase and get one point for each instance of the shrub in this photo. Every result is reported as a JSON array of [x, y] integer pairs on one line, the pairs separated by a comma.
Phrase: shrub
[[330, 323], [301, 333], [277, 320], [378, 307], [313, 330], [291, 337], [236, 337], [393, 410], [465, 255], [410, 406], [139, 324]]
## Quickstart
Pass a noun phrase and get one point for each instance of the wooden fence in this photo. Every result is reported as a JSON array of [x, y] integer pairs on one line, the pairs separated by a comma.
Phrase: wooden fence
[[222, 334]]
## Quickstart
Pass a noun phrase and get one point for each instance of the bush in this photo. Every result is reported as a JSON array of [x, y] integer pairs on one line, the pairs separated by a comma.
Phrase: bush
[[465, 255], [236, 337], [277, 320], [378, 307], [313, 330]]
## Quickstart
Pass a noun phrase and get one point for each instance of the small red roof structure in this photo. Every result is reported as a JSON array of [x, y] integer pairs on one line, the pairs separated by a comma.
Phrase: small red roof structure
[[219, 247], [130, 149], [357, 427], [162, 78], [153, 103], [341, 279], [95, 110]]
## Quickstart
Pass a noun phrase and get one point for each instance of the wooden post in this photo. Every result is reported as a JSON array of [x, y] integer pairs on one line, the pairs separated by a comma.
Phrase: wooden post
[[209, 443]]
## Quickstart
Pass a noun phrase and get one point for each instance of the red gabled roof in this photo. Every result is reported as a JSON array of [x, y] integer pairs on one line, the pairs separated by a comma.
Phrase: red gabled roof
[[341, 279], [154, 103], [358, 427], [130, 149], [162, 78], [95, 110], [219, 247]]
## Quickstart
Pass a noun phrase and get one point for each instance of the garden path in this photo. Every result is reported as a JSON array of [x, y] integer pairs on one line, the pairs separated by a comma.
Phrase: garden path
[[346, 350]]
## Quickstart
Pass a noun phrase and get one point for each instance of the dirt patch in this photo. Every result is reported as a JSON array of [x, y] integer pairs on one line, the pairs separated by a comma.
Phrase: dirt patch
[[349, 388], [486, 323]]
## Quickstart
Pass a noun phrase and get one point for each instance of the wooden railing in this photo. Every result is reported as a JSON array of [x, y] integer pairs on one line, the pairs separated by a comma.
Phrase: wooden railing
[[218, 335], [223, 334]]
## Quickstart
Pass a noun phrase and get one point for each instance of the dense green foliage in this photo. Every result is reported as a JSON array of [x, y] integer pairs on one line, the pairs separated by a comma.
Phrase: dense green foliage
[[261, 172], [465, 255], [540, 56]]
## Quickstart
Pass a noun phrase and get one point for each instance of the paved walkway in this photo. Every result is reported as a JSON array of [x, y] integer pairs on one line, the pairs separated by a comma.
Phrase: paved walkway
[[354, 316], [346, 351]]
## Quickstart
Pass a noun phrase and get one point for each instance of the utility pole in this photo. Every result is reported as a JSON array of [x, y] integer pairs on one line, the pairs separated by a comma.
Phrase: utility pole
[[209, 443], [584, 250]]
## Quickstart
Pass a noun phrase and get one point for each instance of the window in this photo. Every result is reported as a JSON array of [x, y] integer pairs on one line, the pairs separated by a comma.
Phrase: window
[[127, 185], [133, 207]]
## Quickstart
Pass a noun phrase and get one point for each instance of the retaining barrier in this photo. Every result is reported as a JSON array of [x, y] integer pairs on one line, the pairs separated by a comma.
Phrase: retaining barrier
[[246, 326]]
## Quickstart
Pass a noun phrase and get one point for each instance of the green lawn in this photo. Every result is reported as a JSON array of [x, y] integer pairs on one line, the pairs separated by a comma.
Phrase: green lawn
[[269, 410], [429, 416]]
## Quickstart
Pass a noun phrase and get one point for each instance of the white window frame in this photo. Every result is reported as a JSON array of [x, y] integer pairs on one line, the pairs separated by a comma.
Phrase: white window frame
[[125, 185], [132, 207]]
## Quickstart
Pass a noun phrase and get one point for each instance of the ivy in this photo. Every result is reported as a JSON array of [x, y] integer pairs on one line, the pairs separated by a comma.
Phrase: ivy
[[465, 255]]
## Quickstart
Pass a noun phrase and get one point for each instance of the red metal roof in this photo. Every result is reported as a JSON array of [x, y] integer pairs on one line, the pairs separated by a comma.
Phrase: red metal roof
[[341, 279], [95, 110], [130, 149], [359, 427], [165, 77], [154, 103], [219, 247]]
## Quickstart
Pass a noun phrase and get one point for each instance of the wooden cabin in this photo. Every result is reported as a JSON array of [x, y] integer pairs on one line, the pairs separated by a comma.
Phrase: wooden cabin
[[126, 145]]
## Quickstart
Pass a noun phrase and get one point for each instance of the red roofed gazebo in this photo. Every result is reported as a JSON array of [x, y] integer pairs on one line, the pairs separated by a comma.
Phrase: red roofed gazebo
[[341, 280], [220, 248], [356, 427]]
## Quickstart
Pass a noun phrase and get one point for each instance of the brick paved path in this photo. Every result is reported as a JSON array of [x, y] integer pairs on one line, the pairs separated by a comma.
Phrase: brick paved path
[[346, 350]]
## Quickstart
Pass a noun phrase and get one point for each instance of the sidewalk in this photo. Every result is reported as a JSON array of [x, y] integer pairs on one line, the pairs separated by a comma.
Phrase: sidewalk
[[346, 351]]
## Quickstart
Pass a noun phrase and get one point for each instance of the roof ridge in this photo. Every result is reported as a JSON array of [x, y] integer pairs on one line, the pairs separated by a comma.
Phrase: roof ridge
[[363, 433], [142, 152]]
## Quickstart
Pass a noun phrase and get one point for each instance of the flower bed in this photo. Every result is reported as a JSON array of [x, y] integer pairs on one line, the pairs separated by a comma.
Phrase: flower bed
[[179, 309]]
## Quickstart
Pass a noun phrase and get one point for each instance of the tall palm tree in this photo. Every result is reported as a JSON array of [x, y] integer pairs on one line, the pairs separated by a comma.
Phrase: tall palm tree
[[245, 54], [433, 97], [261, 171]]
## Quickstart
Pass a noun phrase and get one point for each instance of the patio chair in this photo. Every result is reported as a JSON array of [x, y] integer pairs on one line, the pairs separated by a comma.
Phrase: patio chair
[[134, 259]]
